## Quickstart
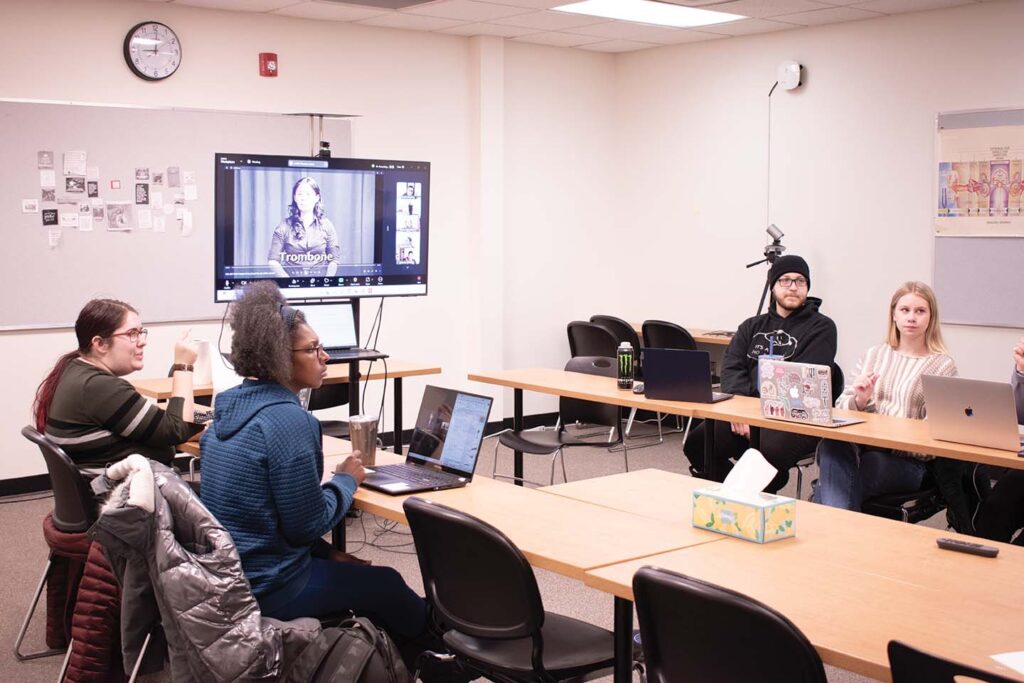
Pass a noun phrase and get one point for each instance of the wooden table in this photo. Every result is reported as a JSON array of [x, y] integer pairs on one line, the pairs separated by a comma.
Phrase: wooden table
[[876, 430], [850, 582], [159, 388]]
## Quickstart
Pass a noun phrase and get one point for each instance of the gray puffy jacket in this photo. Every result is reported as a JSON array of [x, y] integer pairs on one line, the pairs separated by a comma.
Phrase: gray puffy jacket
[[178, 565]]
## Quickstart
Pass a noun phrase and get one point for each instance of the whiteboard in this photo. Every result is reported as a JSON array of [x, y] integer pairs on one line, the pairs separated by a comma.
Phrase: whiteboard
[[165, 275], [978, 280]]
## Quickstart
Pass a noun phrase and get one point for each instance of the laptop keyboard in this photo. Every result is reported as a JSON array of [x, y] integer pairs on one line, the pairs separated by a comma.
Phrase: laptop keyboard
[[416, 475]]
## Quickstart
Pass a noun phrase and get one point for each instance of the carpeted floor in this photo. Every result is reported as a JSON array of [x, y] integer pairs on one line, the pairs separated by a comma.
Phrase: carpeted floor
[[384, 543]]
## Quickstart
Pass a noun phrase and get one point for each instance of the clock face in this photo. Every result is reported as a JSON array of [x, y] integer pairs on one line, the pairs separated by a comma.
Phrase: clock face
[[152, 51]]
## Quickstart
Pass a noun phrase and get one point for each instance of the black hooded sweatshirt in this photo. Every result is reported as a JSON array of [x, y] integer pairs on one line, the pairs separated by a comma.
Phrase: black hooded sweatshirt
[[804, 336]]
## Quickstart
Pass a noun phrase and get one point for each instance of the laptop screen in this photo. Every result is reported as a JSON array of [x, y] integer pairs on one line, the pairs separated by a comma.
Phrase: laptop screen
[[449, 429], [334, 323]]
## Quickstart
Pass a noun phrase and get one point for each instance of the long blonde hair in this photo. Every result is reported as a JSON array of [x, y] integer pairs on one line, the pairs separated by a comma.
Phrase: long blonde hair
[[933, 333]]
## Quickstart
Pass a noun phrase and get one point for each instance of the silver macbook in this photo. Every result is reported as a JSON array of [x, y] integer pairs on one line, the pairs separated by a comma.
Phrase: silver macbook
[[971, 411], [335, 324], [798, 392]]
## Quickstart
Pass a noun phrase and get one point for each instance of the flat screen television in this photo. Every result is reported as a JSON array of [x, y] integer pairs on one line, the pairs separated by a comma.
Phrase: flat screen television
[[321, 228]]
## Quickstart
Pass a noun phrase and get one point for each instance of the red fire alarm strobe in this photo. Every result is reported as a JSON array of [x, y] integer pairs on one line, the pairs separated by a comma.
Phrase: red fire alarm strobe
[[268, 64]]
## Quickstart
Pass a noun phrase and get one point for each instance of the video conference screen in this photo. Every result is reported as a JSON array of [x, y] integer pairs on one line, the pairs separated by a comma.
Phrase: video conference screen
[[321, 228]]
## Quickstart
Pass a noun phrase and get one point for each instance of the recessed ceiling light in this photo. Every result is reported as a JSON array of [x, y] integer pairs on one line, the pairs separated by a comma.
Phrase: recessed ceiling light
[[648, 12]]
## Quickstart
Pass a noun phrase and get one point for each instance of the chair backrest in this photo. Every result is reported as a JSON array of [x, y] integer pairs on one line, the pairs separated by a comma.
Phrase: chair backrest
[[909, 665], [463, 560], [572, 410], [329, 396], [620, 329], [678, 646], [74, 506], [661, 334], [588, 339], [838, 381]]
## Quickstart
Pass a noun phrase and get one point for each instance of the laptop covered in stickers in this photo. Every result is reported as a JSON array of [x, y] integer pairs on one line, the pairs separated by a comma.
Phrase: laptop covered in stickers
[[798, 392]]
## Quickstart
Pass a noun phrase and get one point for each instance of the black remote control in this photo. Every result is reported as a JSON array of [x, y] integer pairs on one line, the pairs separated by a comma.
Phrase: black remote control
[[967, 547]]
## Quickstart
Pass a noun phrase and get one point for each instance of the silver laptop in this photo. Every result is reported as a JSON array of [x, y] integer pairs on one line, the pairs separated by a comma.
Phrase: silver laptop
[[335, 324], [971, 411], [444, 446], [798, 392]]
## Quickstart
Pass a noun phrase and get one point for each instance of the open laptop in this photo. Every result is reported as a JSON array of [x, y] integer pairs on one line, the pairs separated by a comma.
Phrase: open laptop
[[335, 324], [798, 392], [971, 411], [444, 447], [679, 375]]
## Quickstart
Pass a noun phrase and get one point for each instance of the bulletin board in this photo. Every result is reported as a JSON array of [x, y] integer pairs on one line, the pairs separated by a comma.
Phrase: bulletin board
[[978, 213], [141, 183]]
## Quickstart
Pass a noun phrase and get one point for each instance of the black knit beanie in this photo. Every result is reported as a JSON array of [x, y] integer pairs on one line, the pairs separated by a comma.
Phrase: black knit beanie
[[789, 264]]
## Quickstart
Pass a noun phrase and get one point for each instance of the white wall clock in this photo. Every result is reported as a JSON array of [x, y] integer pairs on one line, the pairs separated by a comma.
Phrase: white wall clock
[[152, 51]]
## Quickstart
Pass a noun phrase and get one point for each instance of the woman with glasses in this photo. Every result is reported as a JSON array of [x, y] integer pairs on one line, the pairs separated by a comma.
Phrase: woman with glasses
[[262, 472], [86, 407], [888, 382]]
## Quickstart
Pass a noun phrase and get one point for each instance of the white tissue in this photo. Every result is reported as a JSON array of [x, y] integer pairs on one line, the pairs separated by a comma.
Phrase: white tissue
[[751, 474], [1014, 660]]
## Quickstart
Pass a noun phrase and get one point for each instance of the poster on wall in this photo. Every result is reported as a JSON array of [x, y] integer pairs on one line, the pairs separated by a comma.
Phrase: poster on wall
[[979, 182]]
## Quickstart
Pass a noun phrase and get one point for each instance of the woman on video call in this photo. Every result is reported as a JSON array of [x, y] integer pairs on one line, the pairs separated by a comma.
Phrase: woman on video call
[[305, 243]]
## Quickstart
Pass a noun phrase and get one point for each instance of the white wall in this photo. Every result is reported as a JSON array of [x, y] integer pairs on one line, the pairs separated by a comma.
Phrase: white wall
[[852, 156]]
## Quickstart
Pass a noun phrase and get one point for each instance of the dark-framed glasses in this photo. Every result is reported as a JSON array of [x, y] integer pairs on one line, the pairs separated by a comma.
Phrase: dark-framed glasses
[[798, 282], [134, 335], [311, 350]]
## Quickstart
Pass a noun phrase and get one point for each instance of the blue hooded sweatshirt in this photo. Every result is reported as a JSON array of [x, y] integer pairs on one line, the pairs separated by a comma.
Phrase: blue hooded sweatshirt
[[262, 465]]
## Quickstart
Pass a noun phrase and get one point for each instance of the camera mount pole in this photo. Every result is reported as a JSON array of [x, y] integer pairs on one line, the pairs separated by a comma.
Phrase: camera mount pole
[[771, 252]]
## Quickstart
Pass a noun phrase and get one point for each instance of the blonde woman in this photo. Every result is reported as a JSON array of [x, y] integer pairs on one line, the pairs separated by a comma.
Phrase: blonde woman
[[888, 382]]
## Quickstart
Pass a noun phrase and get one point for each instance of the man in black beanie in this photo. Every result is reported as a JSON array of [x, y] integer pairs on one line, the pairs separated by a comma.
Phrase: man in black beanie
[[793, 330]]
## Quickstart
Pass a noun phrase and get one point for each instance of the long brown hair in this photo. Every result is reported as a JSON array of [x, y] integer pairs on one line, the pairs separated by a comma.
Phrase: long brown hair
[[933, 333], [98, 318]]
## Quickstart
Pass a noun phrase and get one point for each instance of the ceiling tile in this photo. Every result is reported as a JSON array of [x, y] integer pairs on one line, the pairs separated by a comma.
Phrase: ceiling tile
[[617, 46], [557, 39], [465, 10], [767, 8], [551, 21], [240, 5], [834, 15], [900, 6], [488, 30], [543, 4], [411, 22], [747, 27], [330, 11]]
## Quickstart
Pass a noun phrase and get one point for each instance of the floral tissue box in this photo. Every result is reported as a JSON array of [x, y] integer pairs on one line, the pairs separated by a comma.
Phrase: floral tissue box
[[759, 517]]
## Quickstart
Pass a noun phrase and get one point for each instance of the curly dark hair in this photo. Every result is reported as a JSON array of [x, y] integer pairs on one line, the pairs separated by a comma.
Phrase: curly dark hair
[[263, 324]]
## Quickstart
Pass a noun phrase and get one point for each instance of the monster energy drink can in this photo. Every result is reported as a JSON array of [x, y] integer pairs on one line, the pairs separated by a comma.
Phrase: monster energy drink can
[[625, 356]]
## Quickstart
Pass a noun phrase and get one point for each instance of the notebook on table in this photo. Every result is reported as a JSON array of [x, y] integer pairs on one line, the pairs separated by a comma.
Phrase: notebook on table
[[798, 392], [971, 411], [679, 375], [444, 447]]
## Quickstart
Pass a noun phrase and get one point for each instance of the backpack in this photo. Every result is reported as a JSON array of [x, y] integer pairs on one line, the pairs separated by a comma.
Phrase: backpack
[[356, 651]]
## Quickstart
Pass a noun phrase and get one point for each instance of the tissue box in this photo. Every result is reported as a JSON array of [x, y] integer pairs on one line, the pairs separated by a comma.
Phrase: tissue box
[[760, 517]]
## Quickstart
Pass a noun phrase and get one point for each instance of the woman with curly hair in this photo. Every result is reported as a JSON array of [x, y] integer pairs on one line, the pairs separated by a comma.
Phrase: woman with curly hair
[[85, 405], [262, 470], [306, 242]]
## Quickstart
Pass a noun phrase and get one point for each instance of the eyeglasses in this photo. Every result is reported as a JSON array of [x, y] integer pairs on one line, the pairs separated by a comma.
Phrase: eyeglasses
[[311, 350], [787, 282], [133, 335]]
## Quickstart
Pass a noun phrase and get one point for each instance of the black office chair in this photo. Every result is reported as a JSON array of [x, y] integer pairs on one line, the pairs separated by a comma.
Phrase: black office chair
[[588, 339], [330, 396], [679, 647], [621, 330], [570, 411], [910, 506], [503, 634], [909, 665], [74, 511]]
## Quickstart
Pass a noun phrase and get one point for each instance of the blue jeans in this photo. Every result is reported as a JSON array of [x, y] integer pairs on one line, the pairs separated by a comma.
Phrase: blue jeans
[[379, 593], [851, 473]]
